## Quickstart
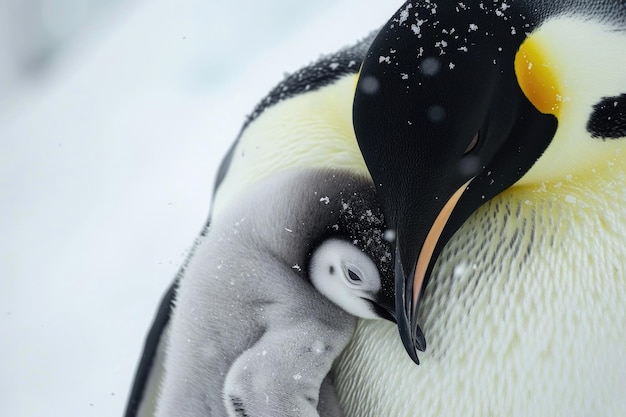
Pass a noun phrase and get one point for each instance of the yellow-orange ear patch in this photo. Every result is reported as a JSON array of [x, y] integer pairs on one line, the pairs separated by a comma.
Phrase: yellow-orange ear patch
[[537, 77]]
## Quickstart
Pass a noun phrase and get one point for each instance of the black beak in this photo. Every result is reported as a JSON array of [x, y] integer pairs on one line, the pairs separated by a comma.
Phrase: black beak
[[410, 332]]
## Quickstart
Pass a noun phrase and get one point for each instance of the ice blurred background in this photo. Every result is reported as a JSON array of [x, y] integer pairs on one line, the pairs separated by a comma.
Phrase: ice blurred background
[[114, 115]]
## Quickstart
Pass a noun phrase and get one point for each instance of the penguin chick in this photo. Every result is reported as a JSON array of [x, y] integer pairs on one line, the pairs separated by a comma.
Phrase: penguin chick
[[345, 275], [249, 335], [304, 122]]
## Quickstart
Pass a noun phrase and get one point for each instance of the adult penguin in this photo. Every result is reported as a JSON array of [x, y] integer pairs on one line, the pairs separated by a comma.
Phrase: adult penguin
[[495, 132]]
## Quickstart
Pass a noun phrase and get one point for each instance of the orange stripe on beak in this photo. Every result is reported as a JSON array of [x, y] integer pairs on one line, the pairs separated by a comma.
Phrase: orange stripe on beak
[[431, 241]]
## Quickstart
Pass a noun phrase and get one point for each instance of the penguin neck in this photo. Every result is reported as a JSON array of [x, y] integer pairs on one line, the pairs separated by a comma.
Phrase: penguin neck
[[573, 213], [567, 234], [310, 130]]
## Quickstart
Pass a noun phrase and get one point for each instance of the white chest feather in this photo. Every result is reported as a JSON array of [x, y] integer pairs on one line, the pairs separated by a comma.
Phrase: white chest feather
[[525, 316], [309, 130]]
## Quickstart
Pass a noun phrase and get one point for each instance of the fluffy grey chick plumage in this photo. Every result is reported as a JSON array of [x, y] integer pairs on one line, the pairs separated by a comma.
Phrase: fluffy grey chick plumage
[[250, 336]]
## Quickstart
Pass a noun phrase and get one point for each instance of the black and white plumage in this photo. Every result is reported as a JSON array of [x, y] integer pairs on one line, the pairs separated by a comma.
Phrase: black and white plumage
[[495, 135]]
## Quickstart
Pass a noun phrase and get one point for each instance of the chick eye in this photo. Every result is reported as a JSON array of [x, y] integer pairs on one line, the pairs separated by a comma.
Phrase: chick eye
[[472, 144], [354, 277]]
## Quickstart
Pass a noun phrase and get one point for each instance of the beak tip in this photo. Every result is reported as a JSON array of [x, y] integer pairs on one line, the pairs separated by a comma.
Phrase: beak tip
[[419, 341], [410, 333], [413, 341]]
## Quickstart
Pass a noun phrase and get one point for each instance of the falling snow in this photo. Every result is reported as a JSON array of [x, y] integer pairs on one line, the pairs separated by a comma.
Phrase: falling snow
[[460, 269], [404, 14], [318, 347], [390, 235], [570, 199]]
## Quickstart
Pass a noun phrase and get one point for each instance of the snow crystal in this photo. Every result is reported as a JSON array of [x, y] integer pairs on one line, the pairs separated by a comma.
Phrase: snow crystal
[[325, 200], [473, 27], [297, 268], [404, 14], [369, 85], [334, 65], [460, 269], [430, 66], [436, 114], [469, 165], [416, 27], [390, 235], [441, 44], [382, 59], [570, 199], [318, 346]]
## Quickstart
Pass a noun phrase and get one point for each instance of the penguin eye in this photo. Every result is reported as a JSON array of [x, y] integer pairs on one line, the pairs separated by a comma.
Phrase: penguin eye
[[472, 144], [354, 277]]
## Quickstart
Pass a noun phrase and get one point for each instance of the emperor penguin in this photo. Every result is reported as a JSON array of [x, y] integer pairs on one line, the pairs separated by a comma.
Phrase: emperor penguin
[[250, 335], [495, 133], [303, 124]]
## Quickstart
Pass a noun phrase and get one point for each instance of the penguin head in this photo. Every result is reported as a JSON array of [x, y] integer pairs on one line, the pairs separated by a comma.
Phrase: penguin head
[[343, 273], [328, 228], [458, 102]]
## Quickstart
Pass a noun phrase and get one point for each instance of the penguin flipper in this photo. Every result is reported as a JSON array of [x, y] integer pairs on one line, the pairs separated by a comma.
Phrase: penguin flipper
[[147, 375], [286, 372], [328, 404]]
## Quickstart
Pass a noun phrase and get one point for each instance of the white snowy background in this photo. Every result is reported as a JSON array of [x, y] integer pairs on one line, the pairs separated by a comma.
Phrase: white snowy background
[[114, 115]]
